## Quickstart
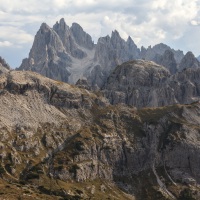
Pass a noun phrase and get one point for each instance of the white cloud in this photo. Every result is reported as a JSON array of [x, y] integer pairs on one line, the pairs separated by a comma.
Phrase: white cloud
[[15, 35], [5, 44], [195, 22]]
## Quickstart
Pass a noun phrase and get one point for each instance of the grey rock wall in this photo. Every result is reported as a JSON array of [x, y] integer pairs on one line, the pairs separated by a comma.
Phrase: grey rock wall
[[145, 84], [68, 53]]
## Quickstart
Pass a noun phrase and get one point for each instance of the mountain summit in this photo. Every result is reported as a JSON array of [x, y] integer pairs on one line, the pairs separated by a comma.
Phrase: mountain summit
[[68, 53]]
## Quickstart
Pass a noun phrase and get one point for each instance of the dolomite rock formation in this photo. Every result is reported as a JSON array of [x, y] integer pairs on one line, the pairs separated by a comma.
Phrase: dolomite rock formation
[[152, 52], [109, 52], [188, 61], [167, 60], [63, 142], [68, 53], [48, 56], [145, 84], [59, 52]]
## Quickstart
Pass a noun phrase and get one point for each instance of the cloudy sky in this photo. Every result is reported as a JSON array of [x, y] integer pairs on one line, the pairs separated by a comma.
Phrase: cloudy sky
[[173, 22]]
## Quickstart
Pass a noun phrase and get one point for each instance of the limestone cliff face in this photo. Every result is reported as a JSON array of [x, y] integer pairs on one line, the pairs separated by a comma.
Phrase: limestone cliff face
[[71, 143], [145, 84]]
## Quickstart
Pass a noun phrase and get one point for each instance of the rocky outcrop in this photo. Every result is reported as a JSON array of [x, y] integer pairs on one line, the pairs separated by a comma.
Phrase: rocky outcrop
[[57, 51], [4, 64], [167, 60], [60, 141], [48, 56], [144, 84], [188, 61], [73, 39], [68, 40], [83, 83], [152, 52], [81, 37], [68, 53], [110, 52], [4, 67], [73, 54]]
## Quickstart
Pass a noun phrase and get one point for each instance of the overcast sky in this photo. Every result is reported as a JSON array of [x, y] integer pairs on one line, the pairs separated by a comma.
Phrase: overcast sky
[[173, 22]]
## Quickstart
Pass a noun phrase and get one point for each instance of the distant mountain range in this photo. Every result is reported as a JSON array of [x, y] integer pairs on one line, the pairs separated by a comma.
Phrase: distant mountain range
[[68, 53]]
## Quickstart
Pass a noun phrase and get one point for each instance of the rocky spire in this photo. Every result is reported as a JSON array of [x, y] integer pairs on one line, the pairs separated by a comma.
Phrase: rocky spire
[[69, 40], [81, 37], [116, 39], [189, 61], [63, 31], [133, 49], [48, 55], [110, 52]]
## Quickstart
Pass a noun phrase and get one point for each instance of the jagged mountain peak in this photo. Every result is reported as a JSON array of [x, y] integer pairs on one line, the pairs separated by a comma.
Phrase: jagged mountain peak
[[129, 39], [76, 26], [61, 25], [73, 48], [46, 54], [115, 37], [81, 37], [132, 44], [62, 21], [167, 60], [189, 61], [189, 54], [104, 39], [115, 33], [151, 53], [44, 27]]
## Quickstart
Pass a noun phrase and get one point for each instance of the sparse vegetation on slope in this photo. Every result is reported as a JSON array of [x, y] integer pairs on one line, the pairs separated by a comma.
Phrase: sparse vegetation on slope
[[63, 142]]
